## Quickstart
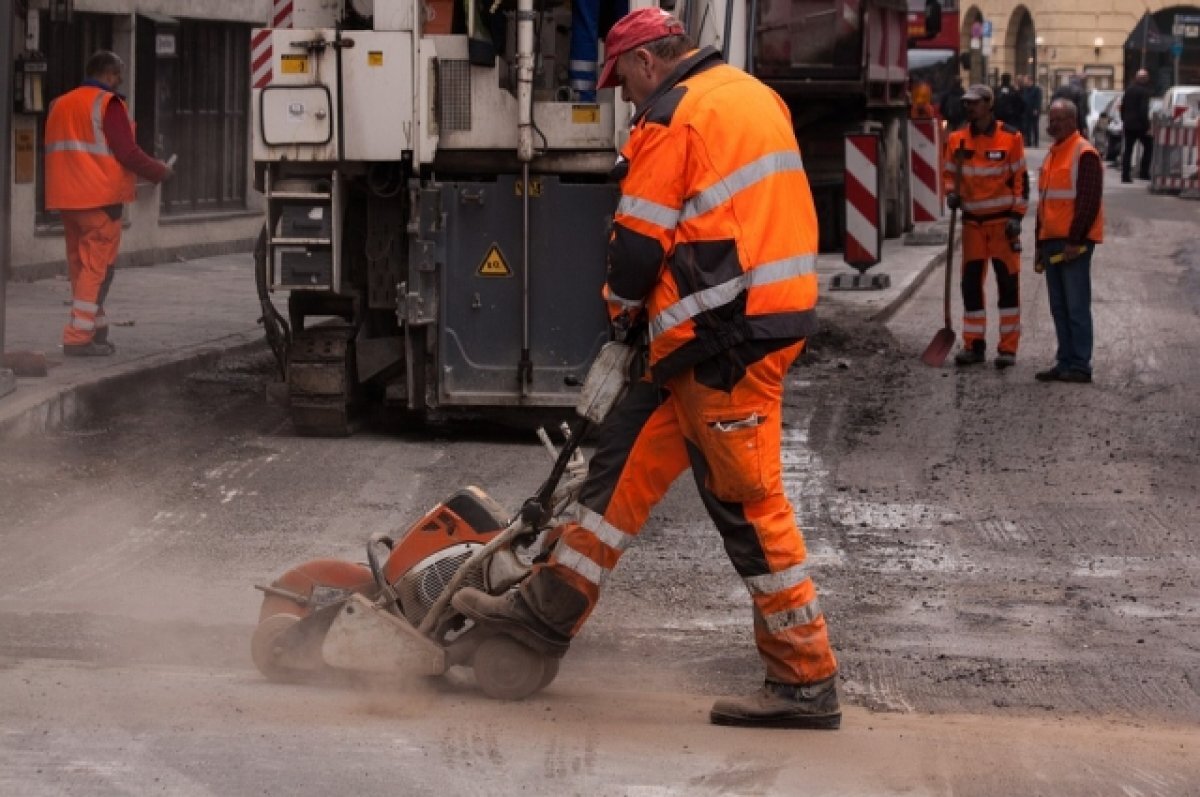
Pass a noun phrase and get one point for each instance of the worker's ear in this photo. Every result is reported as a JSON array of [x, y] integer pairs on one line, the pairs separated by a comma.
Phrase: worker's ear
[[645, 61]]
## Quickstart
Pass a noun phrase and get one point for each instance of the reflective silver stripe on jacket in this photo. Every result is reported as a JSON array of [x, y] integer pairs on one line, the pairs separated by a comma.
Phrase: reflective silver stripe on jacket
[[98, 145], [608, 534], [1018, 165], [976, 171], [989, 204], [631, 304], [1066, 193], [646, 210], [570, 558], [726, 292], [771, 583], [793, 618], [723, 190]]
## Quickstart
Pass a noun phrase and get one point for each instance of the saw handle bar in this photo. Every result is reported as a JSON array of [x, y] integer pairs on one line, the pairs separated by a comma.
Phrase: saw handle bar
[[389, 595]]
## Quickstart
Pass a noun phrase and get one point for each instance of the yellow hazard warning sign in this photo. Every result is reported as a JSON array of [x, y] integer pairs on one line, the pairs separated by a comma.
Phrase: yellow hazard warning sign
[[494, 264], [293, 64]]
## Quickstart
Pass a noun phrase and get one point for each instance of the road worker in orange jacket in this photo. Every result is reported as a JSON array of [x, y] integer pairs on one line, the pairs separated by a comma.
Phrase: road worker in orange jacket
[[984, 174], [1070, 222], [714, 246], [92, 159]]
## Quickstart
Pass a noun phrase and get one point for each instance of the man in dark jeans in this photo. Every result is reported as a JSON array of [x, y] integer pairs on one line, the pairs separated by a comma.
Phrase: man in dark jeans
[[1135, 115], [1009, 107], [1031, 93]]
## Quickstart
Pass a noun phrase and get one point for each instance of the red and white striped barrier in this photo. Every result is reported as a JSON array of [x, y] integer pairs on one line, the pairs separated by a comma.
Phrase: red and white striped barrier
[[261, 58], [261, 54], [1176, 162], [864, 238], [924, 172]]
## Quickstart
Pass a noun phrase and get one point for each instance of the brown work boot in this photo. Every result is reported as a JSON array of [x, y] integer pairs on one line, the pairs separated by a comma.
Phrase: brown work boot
[[509, 614], [813, 706], [971, 356], [89, 349]]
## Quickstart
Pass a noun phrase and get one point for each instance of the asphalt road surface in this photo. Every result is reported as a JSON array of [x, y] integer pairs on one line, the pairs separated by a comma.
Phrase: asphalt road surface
[[1010, 570]]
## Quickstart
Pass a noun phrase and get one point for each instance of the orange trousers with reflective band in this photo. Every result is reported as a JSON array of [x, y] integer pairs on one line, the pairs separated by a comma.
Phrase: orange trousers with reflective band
[[731, 440], [93, 240], [983, 243]]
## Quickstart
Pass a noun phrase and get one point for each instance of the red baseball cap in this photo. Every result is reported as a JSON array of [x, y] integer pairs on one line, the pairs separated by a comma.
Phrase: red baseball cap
[[634, 30]]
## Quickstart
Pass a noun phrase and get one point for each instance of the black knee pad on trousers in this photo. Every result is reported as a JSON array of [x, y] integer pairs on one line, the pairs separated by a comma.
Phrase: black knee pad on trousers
[[555, 602]]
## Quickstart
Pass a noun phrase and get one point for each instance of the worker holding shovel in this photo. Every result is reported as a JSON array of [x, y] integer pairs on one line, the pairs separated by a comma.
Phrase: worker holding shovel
[[985, 176]]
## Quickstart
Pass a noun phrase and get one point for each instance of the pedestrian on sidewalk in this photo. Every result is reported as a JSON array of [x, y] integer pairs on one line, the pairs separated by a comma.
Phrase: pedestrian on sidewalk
[[1135, 118], [951, 106], [988, 159], [1031, 93], [1070, 222], [92, 160], [713, 245]]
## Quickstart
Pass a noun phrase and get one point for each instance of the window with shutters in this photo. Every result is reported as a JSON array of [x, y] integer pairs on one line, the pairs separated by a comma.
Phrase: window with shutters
[[205, 120]]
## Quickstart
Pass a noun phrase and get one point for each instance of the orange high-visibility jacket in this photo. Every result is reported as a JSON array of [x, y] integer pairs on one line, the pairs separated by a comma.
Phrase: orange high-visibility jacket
[[994, 184], [81, 171], [715, 237], [1057, 184]]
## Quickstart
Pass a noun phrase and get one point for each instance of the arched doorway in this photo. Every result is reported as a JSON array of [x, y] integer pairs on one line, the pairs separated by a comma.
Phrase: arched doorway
[[1020, 42], [971, 18]]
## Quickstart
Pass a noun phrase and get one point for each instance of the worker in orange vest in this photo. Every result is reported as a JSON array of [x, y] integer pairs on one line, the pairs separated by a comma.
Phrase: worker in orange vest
[[1070, 222], [984, 174], [714, 246], [92, 159], [922, 102]]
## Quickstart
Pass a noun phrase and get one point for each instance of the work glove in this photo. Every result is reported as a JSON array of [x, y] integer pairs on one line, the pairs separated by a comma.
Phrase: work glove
[[1039, 261], [1012, 228], [953, 201]]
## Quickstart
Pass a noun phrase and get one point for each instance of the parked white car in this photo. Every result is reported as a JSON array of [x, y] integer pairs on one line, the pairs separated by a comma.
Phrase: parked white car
[[1181, 101], [1097, 101]]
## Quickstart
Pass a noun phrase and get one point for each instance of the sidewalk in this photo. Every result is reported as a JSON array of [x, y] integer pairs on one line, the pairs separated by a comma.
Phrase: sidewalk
[[164, 319], [170, 318]]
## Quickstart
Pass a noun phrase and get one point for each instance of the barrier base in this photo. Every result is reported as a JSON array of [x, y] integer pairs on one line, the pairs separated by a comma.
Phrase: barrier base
[[927, 235], [860, 282]]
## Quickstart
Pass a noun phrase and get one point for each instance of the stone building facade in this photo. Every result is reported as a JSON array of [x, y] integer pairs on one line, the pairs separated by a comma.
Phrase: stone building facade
[[1101, 40]]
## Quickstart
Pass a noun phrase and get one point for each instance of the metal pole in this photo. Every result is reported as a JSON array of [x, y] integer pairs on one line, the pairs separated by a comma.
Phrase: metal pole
[[6, 106]]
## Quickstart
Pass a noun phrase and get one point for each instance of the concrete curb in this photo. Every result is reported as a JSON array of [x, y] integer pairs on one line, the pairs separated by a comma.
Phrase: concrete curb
[[887, 311], [72, 405]]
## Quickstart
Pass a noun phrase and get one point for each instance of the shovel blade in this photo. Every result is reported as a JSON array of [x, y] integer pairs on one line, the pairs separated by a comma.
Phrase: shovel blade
[[939, 348]]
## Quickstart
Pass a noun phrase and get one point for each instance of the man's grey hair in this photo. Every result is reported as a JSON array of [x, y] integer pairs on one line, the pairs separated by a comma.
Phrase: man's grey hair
[[1062, 102], [671, 48], [103, 62]]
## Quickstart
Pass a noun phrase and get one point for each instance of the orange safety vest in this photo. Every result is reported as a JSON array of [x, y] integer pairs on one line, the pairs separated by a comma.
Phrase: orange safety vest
[[994, 183], [81, 171], [1057, 184], [716, 232]]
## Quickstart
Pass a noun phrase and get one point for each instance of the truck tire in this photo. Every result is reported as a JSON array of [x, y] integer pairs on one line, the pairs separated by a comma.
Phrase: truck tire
[[895, 187]]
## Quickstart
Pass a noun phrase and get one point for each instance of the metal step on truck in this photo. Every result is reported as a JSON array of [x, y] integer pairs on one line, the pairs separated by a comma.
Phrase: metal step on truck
[[439, 198]]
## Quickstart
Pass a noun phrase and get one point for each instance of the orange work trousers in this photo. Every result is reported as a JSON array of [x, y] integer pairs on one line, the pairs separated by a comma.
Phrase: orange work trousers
[[983, 242], [722, 419], [93, 240]]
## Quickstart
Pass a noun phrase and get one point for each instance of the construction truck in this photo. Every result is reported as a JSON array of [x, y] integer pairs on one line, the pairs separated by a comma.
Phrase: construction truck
[[438, 198]]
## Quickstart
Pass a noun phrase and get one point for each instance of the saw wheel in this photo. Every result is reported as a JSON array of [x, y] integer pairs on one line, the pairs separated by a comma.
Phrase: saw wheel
[[507, 670], [270, 655]]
